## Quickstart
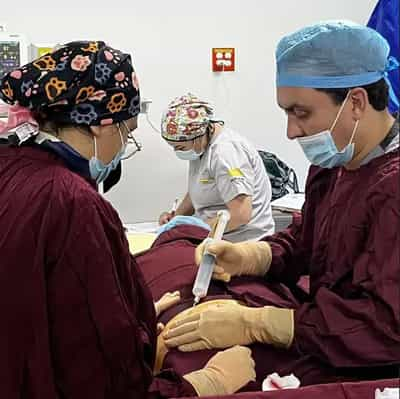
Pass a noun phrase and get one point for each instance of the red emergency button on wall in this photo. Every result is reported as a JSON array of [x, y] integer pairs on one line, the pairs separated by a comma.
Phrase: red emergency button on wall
[[223, 59]]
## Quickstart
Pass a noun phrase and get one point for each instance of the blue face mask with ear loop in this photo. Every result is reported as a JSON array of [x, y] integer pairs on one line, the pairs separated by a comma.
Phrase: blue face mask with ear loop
[[188, 155], [191, 155], [100, 171], [320, 149]]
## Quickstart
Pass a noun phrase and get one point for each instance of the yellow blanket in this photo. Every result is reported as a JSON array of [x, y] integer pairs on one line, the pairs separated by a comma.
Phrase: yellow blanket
[[140, 241]]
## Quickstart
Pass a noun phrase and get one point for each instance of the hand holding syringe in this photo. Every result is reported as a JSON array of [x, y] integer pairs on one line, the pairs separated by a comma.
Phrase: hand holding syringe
[[206, 268]]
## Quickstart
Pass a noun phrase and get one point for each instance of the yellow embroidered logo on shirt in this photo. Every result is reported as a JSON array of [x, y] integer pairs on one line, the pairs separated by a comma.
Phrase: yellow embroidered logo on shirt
[[236, 172], [206, 181]]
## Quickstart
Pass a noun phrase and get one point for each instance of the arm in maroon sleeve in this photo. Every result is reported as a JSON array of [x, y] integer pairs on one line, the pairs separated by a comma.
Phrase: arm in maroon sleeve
[[289, 262], [363, 331], [121, 306], [169, 385], [291, 248]]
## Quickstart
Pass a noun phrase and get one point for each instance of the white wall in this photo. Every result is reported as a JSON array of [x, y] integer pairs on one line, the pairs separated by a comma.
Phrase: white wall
[[171, 44]]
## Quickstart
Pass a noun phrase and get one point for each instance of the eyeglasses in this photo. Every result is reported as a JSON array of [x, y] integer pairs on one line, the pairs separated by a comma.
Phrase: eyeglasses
[[132, 145]]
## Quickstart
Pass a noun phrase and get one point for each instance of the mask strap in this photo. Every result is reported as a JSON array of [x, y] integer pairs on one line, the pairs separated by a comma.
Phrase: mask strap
[[95, 147], [121, 136], [354, 131], [340, 111]]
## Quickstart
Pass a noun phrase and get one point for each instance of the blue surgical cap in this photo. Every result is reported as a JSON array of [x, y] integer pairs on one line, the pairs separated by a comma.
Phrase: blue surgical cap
[[333, 54]]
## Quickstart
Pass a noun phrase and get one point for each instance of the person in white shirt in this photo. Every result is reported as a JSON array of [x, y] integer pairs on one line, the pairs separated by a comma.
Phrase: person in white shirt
[[225, 171]]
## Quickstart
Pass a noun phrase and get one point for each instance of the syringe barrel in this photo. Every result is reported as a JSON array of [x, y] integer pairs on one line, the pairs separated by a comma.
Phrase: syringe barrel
[[206, 268], [204, 274], [223, 219]]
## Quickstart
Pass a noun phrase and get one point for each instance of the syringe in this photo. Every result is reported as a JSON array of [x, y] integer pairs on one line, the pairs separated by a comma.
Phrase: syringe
[[206, 268]]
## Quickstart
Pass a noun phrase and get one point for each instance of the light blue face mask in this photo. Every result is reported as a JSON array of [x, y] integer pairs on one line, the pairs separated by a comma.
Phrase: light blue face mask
[[188, 155], [320, 149], [100, 171], [183, 220]]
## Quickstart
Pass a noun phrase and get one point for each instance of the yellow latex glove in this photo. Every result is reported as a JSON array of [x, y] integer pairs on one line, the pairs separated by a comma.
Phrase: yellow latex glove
[[166, 301], [251, 258], [231, 324], [225, 373]]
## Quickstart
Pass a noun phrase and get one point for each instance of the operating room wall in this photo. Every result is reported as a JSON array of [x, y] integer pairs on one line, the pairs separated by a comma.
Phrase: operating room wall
[[171, 45]]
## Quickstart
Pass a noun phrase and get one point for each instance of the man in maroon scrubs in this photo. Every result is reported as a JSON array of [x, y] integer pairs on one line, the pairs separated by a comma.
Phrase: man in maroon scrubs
[[331, 82]]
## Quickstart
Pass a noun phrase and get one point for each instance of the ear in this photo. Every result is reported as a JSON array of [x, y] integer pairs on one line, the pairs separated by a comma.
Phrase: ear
[[359, 101], [198, 144], [204, 141]]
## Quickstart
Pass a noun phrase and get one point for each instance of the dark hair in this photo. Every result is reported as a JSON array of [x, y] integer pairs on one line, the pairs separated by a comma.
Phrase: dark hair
[[378, 94], [53, 127]]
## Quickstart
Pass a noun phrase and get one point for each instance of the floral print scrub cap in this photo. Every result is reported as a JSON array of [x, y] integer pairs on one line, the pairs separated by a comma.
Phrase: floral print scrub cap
[[186, 118]]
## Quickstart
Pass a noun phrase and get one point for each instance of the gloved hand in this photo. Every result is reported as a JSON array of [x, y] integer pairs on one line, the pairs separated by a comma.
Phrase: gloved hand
[[165, 217], [225, 373], [166, 301], [251, 258], [160, 328], [231, 324]]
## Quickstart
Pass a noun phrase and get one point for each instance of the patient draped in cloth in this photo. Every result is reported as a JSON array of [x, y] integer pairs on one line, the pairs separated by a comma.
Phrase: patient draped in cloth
[[169, 266]]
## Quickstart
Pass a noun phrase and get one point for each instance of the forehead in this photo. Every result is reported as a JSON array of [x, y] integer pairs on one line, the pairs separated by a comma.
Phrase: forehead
[[302, 97]]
